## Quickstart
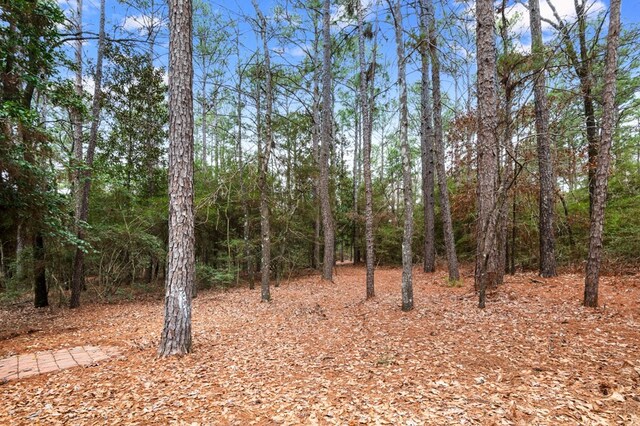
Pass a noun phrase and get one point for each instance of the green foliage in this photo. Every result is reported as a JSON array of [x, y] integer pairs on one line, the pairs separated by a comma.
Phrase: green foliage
[[136, 105], [209, 277]]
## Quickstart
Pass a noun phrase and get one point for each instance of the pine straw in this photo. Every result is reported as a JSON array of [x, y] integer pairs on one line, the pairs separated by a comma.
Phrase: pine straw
[[320, 354]]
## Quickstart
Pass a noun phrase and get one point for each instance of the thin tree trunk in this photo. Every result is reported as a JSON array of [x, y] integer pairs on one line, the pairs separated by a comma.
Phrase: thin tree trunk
[[583, 67], [243, 189], [445, 208], [315, 141], [204, 118], [366, 78], [545, 162], [596, 228], [20, 246], [356, 172], [85, 184], [486, 259], [427, 144], [77, 281], [264, 155], [328, 225], [176, 335], [40, 290], [405, 153], [504, 153]]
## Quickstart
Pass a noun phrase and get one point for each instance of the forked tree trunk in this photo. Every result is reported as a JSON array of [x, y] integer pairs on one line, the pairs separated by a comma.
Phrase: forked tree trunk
[[445, 208], [545, 162], [176, 335], [328, 225], [582, 62], [427, 144], [604, 158]]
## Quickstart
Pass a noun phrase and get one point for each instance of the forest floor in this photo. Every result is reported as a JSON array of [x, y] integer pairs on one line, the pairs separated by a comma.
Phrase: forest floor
[[320, 354]]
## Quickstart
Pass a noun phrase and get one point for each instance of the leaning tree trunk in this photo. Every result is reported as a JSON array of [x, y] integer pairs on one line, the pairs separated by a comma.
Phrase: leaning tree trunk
[[366, 148], [545, 162], [604, 158], [264, 155], [85, 184], [405, 153], [176, 335], [427, 146], [328, 225], [77, 280], [445, 208], [486, 256]]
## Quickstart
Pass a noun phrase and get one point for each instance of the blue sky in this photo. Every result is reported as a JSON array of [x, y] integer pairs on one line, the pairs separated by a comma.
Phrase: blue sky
[[126, 21]]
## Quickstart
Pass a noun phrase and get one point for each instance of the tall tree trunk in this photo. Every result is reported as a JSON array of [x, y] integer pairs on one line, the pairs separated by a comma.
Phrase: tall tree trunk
[[505, 155], [582, 63], [405, 153], [264, 155], [315, 145], [41, 298], [203, 125], [243, 188], [445, 208], [78, 261], [77, 281], [328, 225], [486, 254], [367, 118], [427, 144], [356, 175], [604, 158], [176, 335], [545, 162]]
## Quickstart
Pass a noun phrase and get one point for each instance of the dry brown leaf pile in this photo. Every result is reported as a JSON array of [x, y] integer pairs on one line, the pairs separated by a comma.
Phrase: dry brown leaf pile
[[320, 354]]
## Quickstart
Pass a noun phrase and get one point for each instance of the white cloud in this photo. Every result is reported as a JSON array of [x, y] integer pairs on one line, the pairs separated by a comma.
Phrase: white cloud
[[565, 8], [140, 22], [297, 51]]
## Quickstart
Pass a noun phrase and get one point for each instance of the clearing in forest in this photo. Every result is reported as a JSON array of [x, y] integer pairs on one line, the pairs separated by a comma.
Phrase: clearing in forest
[[319, 354]]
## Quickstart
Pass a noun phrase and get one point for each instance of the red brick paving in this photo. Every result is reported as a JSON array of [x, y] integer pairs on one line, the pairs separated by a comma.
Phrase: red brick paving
[[26, 365]]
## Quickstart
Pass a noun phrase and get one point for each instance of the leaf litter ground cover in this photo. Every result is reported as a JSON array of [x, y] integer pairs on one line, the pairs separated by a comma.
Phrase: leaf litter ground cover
[[320, 354]]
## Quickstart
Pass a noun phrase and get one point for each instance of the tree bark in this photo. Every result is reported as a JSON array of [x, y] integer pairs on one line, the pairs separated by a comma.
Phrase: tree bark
[[264, 155], [315, 141], [486, 255], [366, 148], [545, 162], [596, 228], [328, 225], [405, 153], [583, 67], [445, 208], [41, 298], [77, 280], [427, 143], [176, 335], [86, 173]]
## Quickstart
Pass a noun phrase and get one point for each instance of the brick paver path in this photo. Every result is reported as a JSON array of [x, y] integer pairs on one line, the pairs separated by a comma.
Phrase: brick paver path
[[21, 366]]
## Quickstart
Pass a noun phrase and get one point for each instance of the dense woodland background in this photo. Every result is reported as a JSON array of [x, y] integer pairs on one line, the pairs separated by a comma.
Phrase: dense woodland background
[[85, 101]]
